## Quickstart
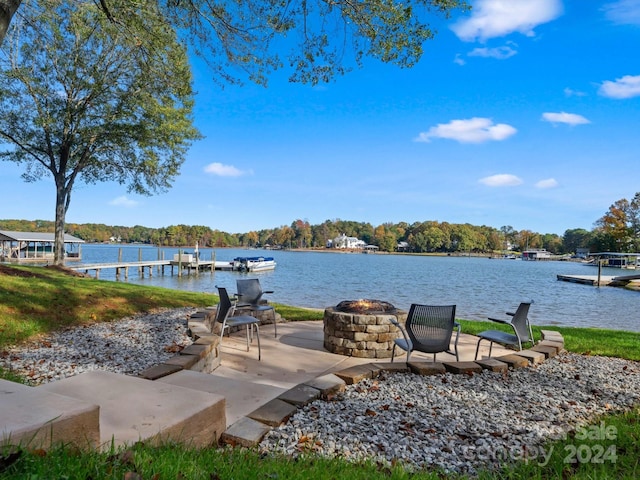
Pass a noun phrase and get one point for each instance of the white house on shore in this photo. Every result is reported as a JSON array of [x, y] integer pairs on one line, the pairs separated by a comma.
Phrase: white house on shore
[[344, 242]]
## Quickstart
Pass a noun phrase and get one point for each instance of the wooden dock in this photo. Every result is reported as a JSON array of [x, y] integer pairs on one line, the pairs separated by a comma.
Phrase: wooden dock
[[603, 280], [147, 267]]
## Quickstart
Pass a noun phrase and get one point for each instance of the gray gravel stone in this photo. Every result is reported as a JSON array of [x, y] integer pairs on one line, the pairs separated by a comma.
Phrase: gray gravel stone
[[459, 423], [126, 346]]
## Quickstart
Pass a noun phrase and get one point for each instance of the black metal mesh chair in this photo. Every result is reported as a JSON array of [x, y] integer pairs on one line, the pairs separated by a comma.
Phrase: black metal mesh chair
[[224, 316], [250, 296], [428, 329], [519, 322]]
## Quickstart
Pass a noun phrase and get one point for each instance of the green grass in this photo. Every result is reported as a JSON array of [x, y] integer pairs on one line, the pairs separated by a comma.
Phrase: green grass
[[585, 341], [35, 301]]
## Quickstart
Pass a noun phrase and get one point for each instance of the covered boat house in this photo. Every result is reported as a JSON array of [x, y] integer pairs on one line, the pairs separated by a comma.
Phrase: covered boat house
[[35, 246]]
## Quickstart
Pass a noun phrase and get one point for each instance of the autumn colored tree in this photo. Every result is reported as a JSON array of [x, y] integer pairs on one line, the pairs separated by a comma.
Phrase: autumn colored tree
[[621, 224]]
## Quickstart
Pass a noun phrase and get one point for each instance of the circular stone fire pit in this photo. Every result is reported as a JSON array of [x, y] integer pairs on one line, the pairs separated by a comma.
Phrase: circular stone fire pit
[[362, 328]]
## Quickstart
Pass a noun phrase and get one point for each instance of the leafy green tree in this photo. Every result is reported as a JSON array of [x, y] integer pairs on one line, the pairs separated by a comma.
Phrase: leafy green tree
[[575, 238], [83, 102]]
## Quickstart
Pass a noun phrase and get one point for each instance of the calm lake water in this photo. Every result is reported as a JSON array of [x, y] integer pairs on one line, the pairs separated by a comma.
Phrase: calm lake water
[[480, 287]]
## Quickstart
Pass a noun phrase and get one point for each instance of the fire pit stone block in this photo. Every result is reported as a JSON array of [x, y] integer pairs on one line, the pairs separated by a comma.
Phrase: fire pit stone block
[[362, 335]]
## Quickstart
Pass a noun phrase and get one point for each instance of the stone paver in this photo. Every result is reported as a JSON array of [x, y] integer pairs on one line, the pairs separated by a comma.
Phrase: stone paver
[[462, 367], [246, 432], [274, 412], [357, 373], [300, 395], [427, 368], [533, 356], [514, 361], [329, 384], [548, 350], [493, 365], [159, 371]]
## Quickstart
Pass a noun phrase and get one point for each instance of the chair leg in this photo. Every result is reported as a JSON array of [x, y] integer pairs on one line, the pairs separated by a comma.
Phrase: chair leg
[[477, 348], [258, 337], [393, 352], [248, 336], [275, 324]]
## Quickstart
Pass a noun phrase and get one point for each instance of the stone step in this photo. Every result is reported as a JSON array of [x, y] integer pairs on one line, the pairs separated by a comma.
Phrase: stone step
[[34, 418], [241, 396], [134, 409]]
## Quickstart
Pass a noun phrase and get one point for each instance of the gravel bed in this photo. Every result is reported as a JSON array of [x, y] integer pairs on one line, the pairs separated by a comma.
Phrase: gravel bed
[[459, 423], [127, 346]]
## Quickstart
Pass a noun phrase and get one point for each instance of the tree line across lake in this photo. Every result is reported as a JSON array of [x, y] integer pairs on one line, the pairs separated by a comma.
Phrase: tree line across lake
[[617, 231]]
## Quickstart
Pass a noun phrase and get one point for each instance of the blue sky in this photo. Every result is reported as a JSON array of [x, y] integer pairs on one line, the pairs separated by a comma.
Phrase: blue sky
[[522, 112]]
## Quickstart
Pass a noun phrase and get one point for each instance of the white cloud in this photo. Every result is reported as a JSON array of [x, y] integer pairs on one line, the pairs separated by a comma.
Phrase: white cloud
[[473, 130], [459, 60], [123, 201], [497, 18], [223, 170], [624, 12], [500, 53], [564, 117], [501, 180], [547, 183], [625, 87], [573, 93]]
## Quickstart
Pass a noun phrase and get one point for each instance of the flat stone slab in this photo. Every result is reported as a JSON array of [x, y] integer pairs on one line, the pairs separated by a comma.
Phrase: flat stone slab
[[533, 356], [36, 418], [547, 350], [328, 384], [462, 367], [185, 362], [159, 371], [559, 346], [394, 367], [552, 335], [300, 395], [493, 365], [357, 373], [274, 413], [246, 432], [427, 368], [241, 396], [134, 409], [198, 350], [514, 361]]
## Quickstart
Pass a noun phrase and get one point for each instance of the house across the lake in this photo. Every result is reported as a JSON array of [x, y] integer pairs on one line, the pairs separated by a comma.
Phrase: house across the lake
[[539, 254], [35, 246], [344, 242]]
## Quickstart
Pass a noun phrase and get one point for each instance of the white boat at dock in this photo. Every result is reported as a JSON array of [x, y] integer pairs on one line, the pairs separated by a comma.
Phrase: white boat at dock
[[253, 264]]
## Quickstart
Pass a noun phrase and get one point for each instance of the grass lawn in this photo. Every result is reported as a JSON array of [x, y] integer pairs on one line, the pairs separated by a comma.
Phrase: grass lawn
[[37, 300]]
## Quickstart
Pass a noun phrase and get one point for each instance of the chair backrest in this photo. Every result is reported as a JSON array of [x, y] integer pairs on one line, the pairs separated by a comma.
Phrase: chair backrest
[[249, 291], [520, 322], [430, 327], [224, 307]]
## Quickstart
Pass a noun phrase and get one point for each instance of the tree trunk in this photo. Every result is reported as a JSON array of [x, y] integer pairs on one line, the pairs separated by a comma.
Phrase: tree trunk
[[7, 9], [58, 246]]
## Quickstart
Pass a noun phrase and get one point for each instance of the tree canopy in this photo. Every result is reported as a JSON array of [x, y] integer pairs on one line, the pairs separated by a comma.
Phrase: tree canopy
[[83, 102], [314, 39]]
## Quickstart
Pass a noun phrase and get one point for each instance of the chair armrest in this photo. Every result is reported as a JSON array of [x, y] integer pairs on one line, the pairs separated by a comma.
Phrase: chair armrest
[[511, 314], [394, 320], [498, 320], [268, 291]]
